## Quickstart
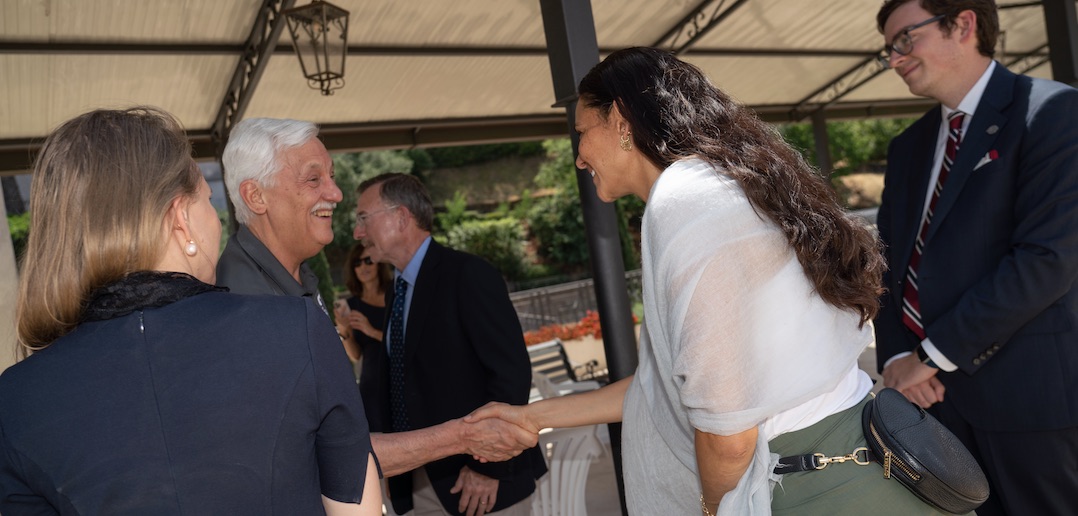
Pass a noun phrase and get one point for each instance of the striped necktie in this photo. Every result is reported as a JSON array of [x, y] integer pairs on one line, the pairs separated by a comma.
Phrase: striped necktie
[[911, 303]]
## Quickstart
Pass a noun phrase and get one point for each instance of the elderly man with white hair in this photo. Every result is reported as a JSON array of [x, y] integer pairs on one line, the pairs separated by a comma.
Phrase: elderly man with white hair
[[280, 179]]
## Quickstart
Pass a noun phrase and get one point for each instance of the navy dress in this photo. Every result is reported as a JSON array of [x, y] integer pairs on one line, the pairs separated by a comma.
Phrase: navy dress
[[375, 314], [214, 403]]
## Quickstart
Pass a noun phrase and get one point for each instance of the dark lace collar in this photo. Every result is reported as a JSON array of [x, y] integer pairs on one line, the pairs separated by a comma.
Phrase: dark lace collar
[[140, 290]]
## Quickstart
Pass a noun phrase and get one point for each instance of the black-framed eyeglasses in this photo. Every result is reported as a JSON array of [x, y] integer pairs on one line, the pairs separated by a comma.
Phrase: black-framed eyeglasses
[[366, 260], [361, 218], [903, 42]]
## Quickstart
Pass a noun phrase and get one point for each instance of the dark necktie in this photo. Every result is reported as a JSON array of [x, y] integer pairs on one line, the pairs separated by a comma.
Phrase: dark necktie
[[911, 303], [396, 357]]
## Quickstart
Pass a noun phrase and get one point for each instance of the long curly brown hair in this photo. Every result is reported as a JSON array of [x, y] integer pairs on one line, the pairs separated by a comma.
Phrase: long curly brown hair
[[674, 112]]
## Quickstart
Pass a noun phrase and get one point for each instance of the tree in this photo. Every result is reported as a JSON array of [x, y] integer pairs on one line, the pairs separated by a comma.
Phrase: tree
[[557, 221], [852, 143]]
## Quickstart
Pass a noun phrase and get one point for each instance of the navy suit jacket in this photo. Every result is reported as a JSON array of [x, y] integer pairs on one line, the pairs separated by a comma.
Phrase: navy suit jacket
[[1000, 261], [464, 347]]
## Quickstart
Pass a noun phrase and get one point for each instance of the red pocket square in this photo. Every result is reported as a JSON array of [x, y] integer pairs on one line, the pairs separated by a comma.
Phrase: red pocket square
[[988, 158]]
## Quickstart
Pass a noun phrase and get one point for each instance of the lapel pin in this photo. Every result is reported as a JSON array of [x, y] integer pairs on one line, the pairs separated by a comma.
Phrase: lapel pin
[[993, 129]]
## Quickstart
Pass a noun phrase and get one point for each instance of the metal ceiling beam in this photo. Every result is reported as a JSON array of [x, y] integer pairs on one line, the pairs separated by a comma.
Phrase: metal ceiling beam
[[17, 155], [841, 86], [116, 48], [265, 33], [1026, 62], [695, 25], [186, 49]]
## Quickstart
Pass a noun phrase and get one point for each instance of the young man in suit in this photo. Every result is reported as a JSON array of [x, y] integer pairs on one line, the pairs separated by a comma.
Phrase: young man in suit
[[452, 343], [980, 219]]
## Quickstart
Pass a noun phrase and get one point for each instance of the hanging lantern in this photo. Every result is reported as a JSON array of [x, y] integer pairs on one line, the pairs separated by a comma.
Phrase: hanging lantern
[[320, 36]]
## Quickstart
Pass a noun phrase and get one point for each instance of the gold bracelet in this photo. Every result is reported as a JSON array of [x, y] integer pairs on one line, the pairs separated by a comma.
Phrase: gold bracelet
[[703, 506]]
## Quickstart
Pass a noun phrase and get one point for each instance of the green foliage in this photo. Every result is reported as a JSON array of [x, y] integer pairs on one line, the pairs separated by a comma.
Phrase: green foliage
[[501, 242], [853, 144], [460, 156], [557, 223], [19, 226], [629, 208], [320, 266], [222, 215], [421, 160], [456, 211], [559, 170], [521, 208]]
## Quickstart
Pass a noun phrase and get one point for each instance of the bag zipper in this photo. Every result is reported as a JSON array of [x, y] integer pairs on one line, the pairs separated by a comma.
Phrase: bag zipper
[[890, 458]]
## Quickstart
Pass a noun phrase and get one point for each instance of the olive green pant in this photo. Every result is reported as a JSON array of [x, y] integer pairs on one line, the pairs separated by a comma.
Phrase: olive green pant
[[842, 488]]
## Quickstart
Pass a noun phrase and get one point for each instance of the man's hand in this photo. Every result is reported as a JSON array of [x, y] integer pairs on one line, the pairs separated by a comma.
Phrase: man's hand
[[478, 493], [495, 440], [925, 394], [915, 380], [518, 415]]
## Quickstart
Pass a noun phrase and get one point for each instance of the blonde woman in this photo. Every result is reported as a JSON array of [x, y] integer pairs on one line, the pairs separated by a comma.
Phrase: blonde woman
[[147, 390]]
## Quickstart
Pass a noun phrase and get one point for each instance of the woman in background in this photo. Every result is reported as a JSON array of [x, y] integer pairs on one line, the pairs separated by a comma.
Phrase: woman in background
[[360, 317], [147, 390]]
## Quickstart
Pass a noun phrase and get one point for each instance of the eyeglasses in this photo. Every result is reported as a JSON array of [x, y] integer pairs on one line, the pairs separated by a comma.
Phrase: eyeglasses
[[366, 260], [903, 42], [362, 218]]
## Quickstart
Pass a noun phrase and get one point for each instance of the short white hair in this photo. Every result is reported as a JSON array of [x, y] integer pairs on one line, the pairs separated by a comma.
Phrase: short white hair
[[253, 152]]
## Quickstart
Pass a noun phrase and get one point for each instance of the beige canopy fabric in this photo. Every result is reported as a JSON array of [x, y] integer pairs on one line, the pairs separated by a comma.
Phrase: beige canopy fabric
[[438, 72]]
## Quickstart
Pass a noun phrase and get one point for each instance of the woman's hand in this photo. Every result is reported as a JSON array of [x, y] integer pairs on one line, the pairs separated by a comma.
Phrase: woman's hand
[[359, 322], [516, 414]]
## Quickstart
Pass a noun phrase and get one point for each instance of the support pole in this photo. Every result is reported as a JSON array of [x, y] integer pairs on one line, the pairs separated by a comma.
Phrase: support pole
[[822, 142], [1061, 23], [573, 50]]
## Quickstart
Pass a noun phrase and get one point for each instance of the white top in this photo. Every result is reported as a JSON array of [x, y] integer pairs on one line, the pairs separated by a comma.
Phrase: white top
[[734, 337]]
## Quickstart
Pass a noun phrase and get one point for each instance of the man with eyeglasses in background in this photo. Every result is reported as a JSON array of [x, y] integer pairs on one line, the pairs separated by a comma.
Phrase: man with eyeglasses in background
[[452, 343], [980, 220]]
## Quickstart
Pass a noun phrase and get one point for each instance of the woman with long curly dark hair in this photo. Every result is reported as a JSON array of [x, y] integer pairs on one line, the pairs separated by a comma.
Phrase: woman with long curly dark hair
[[757, 291]]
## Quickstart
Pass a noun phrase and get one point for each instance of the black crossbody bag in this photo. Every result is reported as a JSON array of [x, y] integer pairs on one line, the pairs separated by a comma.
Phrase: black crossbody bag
[[913, 448]]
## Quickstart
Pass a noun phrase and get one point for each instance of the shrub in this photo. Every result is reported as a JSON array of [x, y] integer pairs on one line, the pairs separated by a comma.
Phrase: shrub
[[501, 242], [19, 226], [557, 223], [456, 212]]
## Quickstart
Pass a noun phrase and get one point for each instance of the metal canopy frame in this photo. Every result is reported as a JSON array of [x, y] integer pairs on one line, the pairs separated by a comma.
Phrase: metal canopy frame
[[16, 155]]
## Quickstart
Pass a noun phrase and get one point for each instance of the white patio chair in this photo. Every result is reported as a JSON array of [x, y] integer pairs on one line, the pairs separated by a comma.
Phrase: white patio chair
[[569, 453]]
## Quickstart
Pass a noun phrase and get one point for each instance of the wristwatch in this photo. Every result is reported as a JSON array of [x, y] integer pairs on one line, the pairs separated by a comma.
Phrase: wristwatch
[[922, 355]]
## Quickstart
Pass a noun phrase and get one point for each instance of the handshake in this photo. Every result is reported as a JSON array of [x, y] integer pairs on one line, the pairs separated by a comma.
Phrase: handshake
[[497, 432]]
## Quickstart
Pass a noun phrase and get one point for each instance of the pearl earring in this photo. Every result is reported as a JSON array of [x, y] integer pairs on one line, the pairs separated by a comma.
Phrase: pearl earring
[[191, 249]]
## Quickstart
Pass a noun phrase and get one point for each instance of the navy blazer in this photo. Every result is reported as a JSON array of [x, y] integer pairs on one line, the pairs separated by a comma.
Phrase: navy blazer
[[214, 404], [464, 347], [1000, 261]]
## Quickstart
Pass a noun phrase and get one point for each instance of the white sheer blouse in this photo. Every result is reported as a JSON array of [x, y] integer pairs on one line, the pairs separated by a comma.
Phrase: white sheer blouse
[[735, 335]]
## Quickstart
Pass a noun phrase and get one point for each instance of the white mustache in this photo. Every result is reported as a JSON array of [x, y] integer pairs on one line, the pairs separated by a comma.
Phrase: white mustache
[[324, 206]]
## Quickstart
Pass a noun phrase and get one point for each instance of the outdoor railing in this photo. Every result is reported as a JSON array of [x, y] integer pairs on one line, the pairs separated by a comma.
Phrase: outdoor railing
[[564, 303]]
